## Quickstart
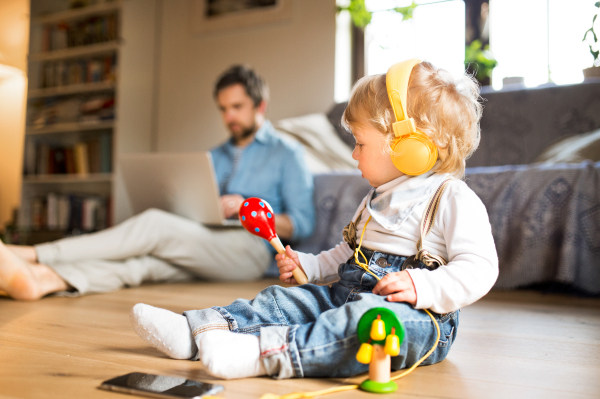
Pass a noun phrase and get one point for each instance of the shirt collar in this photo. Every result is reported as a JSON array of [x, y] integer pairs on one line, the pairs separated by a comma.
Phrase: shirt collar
[[262, 135], [396, 199]]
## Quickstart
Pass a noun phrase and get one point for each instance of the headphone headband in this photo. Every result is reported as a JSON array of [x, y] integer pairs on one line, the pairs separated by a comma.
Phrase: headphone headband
[[413, 152], [396, 80]]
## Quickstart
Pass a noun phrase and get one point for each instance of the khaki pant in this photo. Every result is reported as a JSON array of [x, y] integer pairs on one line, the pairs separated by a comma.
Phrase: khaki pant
[[155, 246]]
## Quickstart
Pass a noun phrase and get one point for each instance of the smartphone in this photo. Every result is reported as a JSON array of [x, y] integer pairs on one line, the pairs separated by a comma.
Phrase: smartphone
[[160, 386]]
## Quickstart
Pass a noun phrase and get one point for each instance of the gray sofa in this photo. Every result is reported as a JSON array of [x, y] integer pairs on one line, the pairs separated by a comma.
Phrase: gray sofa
[[545, 221], [545, 217]]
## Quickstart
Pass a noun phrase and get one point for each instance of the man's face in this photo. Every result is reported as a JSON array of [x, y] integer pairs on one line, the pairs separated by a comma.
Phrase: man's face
[[238, 112]]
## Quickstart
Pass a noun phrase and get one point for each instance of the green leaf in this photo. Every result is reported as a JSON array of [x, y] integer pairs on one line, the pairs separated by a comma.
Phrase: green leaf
[[597, 4], [593, 34], [361, 17], [585, 35], [407, 12], [480, 60], [594, 53]]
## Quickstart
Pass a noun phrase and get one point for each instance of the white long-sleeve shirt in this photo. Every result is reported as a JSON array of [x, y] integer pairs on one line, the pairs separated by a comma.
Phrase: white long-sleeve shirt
[[461, 234]]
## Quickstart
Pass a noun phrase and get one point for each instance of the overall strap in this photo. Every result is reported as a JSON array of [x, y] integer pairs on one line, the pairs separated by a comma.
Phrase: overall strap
[[349, 232], [427, 222]]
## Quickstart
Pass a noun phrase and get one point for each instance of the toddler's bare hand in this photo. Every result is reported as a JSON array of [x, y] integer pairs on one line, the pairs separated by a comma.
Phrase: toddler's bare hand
[[398, 287], [286, 263]]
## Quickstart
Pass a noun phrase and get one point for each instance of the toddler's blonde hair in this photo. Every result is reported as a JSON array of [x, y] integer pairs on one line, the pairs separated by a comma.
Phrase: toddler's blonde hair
[[446, 109]]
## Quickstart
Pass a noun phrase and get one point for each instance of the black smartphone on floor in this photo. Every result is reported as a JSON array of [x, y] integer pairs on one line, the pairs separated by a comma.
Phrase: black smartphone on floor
[[160, 386]]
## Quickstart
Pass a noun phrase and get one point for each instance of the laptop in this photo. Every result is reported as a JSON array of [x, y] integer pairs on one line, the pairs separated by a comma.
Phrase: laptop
[[181, 183]]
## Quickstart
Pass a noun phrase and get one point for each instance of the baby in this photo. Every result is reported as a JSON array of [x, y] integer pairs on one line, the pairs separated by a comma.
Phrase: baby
[[414, 128]]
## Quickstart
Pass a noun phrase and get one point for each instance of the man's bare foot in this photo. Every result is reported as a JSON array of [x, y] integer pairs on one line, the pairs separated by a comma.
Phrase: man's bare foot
[[25, 252], [27, 281]]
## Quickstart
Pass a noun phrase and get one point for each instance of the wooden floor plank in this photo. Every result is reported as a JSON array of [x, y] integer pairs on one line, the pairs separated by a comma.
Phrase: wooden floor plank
[[514, 344]]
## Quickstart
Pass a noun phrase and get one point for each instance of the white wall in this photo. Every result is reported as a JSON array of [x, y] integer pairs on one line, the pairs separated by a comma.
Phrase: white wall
[[296, 57], [14, 35]]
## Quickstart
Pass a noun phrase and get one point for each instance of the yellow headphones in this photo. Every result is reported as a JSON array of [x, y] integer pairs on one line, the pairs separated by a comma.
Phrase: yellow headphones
[[413, 152]]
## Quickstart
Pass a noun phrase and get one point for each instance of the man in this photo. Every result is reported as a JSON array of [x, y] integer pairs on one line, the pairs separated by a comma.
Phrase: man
[[156, 246]]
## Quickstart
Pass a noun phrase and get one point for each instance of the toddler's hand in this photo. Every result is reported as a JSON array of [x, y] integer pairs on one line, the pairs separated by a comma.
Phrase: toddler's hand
[[398, 287], [286, 264]]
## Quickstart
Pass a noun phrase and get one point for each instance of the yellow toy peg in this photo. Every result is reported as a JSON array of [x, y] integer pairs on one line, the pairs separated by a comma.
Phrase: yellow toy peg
[[378, 329], [365, 353], [392, 344]]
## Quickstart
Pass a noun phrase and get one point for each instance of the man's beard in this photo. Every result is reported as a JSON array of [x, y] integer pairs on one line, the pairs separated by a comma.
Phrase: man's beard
[[246, 132]]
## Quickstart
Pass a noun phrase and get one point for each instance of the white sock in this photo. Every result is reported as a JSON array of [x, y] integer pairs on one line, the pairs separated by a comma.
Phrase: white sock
[[167, 331], [229, 355]]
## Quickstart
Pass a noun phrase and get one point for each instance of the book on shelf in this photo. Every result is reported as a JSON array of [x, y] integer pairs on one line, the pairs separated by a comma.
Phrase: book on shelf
[[74, 109], [105, 145], [71, 212], [80, 151], [30, 159], [78, 71], [84, 157], [92, 30]]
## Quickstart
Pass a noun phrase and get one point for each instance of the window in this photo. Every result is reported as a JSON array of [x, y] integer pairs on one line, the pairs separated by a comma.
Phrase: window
[[540, 40], [436, 33]]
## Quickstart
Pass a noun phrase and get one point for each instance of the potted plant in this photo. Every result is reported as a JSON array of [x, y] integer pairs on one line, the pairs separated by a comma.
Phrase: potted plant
[[592, 40], [480, 62]]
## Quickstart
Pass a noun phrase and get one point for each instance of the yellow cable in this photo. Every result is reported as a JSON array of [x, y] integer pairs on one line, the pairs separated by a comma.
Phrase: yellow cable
[[357, 251], [421, 360], [299, 395]]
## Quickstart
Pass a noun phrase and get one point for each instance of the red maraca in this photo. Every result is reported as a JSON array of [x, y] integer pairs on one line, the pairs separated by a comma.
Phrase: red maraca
[[258, 218]]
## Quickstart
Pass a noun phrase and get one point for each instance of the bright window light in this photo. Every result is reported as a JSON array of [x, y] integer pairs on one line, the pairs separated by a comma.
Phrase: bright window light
[[540, 40], [436, 33], [343, 55]]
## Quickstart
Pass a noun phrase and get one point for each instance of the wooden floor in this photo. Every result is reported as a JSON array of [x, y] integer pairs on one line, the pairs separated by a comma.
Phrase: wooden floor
[[509, 345]]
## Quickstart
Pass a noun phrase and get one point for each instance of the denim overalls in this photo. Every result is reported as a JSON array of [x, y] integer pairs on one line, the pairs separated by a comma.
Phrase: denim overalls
[[310, 330]]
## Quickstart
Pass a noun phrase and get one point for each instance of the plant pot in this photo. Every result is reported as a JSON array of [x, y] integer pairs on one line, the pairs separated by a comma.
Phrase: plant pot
[[593, 72]]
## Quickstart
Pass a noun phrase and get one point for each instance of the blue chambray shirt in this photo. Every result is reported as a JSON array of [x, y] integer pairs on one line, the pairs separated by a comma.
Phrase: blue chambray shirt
[[273, 169]]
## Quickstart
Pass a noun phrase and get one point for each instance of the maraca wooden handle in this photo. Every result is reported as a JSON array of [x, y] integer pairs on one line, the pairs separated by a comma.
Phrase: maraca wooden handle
[[297, 272]]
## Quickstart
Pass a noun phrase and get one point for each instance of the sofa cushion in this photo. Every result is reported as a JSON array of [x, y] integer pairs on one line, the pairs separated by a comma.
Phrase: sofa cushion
[[574, 149]]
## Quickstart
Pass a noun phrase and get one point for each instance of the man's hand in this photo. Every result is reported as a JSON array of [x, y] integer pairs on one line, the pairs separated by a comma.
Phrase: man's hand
[[398, 287], [230, 204], [286, 264], [284, 226]]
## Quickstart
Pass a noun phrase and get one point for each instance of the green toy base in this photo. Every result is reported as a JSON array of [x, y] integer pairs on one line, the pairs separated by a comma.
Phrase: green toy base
[[379, 387]]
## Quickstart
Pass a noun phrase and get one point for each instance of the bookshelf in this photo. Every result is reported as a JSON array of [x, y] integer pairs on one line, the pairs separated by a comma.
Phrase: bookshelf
[[71, 89], [92, 79], [100, 8], [68, 127], [69, 178], [89, 50]]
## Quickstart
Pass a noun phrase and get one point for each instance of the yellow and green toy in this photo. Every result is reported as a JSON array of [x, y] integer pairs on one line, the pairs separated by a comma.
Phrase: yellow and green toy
[[381, 334]]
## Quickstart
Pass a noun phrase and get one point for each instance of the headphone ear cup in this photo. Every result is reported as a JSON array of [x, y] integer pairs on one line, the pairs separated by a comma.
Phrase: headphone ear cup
[[413, 154]]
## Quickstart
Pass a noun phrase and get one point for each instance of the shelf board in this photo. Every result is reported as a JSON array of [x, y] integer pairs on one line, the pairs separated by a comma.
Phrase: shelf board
[[74, 52], [77, 13], [71, 89], [68, 178], [69, 127]]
